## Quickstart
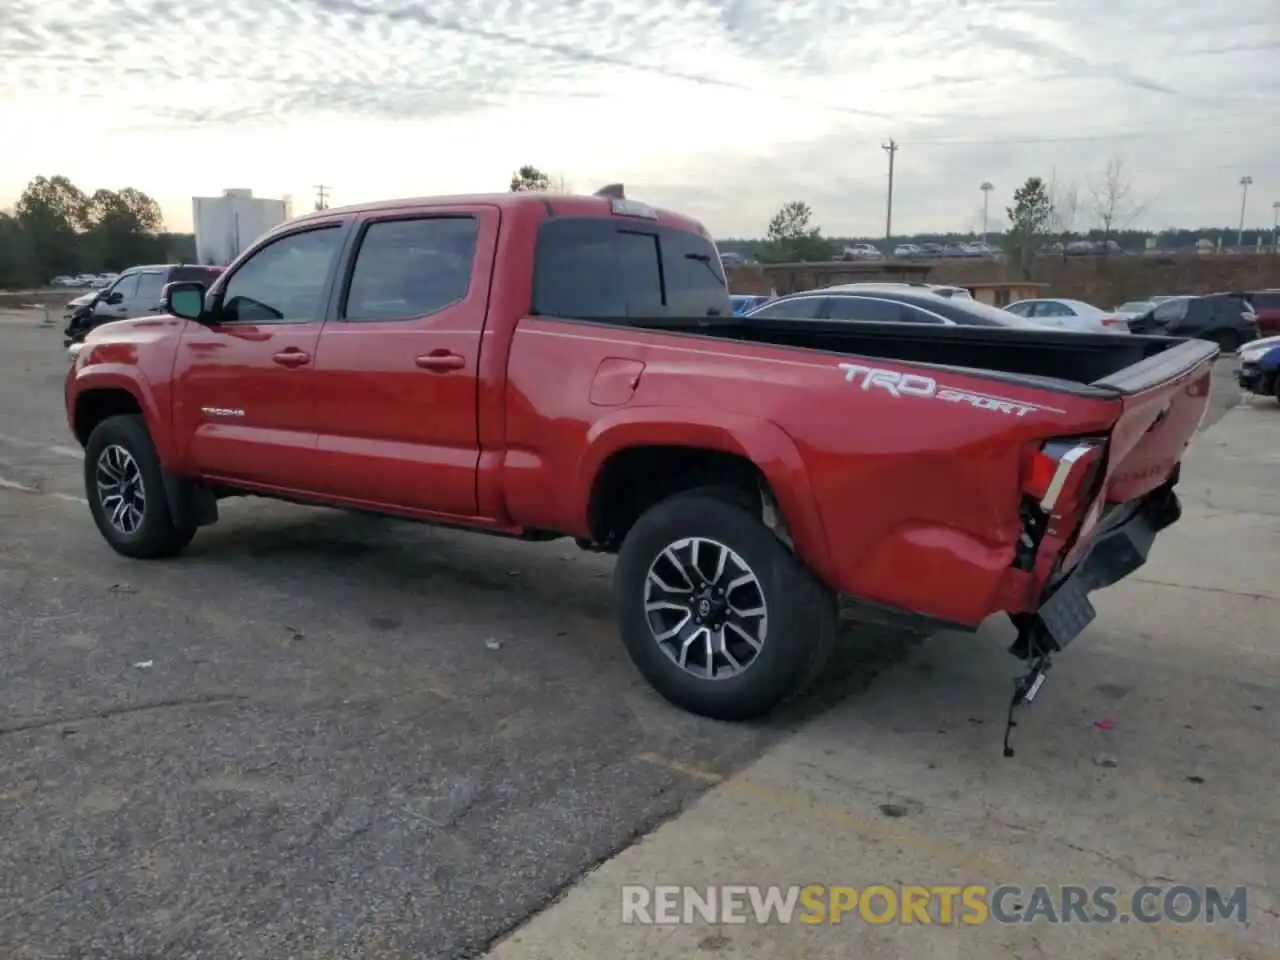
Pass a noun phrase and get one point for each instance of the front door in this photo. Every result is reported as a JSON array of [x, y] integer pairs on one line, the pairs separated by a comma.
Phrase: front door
[[396, 371], [116, 301], [243, 393]]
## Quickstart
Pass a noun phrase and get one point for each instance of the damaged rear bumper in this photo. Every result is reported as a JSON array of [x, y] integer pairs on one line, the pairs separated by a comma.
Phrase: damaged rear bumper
[[1118, 548]]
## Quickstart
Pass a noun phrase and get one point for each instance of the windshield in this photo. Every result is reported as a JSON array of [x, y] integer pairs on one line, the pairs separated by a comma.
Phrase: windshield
[[1135, 306]]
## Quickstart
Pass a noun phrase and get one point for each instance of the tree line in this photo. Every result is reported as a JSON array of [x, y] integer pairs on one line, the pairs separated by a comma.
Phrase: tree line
[[1044, 211], [56, 228]]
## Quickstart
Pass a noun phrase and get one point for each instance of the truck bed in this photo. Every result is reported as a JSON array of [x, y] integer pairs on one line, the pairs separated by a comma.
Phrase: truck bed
[[1083, 363]]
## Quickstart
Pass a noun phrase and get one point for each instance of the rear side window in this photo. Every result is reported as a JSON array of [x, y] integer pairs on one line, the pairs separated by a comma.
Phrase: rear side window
[[800, 308], [1266, 301], [877, 311], [603, 269], [150, 286], [412, 268]]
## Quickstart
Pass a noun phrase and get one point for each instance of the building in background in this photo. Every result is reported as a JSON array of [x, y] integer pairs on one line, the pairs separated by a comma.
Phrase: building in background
[[225, 226]]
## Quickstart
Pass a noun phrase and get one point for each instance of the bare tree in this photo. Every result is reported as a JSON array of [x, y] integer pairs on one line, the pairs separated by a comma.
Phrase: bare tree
[[1111, 199], [1064, 206]]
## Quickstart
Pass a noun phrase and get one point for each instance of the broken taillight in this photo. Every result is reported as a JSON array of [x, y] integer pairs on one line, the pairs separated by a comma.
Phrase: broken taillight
[[1057, 487], [1060, 471]]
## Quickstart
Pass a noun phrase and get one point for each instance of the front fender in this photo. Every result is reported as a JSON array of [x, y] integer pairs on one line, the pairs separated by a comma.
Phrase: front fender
[[121, 376], [760, 441]]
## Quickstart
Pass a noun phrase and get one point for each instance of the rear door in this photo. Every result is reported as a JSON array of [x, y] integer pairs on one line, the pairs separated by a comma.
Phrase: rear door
[[397, 368], [147, 297]]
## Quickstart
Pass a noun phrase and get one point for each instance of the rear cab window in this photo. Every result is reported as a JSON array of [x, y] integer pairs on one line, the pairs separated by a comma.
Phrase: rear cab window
[[610, 268]]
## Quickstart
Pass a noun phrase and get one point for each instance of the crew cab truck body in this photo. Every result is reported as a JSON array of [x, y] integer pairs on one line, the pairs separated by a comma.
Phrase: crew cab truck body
[[540, 367]]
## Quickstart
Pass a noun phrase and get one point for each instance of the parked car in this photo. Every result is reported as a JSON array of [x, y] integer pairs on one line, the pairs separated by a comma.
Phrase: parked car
[[861, 251], [1266, 305], [908, 251], [881, 303], [1069, 315], [746, 474], [1259, 371], [932, 249], [62, 281], [1225, 318], [85, 279], [135, 293]]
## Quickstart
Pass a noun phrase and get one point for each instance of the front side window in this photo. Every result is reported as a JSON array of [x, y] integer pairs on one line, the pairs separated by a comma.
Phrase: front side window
[[284, 281], [123, 289], [1171, 310], [412, 268]]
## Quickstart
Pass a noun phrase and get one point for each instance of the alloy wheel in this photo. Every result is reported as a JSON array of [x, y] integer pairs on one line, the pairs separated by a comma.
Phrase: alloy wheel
[[121, 491], [706, 608]]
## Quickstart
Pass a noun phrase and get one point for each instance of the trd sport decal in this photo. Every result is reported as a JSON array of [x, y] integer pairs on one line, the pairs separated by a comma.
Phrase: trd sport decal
[[917, 385]]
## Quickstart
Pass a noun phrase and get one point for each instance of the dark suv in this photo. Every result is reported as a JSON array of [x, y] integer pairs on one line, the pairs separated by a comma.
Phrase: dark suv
[[135, 293], [1225, 318]]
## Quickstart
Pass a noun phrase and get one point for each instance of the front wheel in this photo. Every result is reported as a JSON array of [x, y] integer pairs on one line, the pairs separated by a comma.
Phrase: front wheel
[[716, 613], [125, 488]]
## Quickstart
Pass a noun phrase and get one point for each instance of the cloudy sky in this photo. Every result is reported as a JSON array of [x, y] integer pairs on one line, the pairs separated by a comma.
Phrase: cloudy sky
[[722, 108]]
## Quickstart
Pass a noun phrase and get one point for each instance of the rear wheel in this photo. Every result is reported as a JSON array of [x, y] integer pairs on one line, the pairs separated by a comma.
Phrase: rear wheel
[[1228, 341], [716, 613], [125, 488]]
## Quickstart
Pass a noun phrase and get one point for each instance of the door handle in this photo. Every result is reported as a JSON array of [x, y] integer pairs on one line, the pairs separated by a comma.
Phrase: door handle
[[440, 361], [292, 358]]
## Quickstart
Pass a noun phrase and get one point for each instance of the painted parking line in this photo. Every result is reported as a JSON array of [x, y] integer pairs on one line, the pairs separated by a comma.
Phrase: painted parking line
[[6, 484], [60, 450]]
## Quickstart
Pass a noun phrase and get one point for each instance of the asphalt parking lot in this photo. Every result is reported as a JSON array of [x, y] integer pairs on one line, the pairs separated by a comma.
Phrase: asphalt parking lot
[[319, 735]]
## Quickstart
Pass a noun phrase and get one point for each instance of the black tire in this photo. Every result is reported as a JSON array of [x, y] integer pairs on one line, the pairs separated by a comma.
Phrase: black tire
[[1228, 341], [156, 535], [801, 613]]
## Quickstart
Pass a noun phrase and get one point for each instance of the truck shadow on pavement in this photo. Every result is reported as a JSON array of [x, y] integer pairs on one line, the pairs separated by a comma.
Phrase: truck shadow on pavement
[[398, 567]]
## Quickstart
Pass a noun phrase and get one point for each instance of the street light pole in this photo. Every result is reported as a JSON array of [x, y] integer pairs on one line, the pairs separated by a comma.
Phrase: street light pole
[[986, 189], [1244, 198], [891, 148]]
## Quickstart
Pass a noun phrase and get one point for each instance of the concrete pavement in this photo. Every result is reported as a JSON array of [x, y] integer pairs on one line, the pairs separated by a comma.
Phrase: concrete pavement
[[1150, 757]]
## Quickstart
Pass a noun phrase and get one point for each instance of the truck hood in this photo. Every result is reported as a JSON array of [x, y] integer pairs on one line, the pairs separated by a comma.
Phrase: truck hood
[[135, 330]]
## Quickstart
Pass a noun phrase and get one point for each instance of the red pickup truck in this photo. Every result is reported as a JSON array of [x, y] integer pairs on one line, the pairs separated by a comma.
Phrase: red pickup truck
[[541, 367]]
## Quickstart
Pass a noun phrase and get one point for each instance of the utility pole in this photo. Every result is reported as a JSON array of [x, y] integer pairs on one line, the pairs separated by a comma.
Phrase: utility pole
[[890, 148], [986, 189], [1275, 226], [1244, 197], [322, 196]]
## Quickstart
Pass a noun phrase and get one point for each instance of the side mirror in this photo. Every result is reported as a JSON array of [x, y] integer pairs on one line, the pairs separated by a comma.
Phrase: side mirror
[[184, 299], [112, 299]]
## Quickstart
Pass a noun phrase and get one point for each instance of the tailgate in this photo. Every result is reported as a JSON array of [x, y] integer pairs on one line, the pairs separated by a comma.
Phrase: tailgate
[[1163, 401]]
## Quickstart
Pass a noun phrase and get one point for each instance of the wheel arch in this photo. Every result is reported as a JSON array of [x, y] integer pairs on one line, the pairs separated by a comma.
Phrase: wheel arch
[[674, 451]]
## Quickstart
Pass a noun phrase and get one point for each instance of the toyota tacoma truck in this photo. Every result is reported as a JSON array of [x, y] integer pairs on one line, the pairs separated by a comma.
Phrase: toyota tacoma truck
[[541, 367]]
